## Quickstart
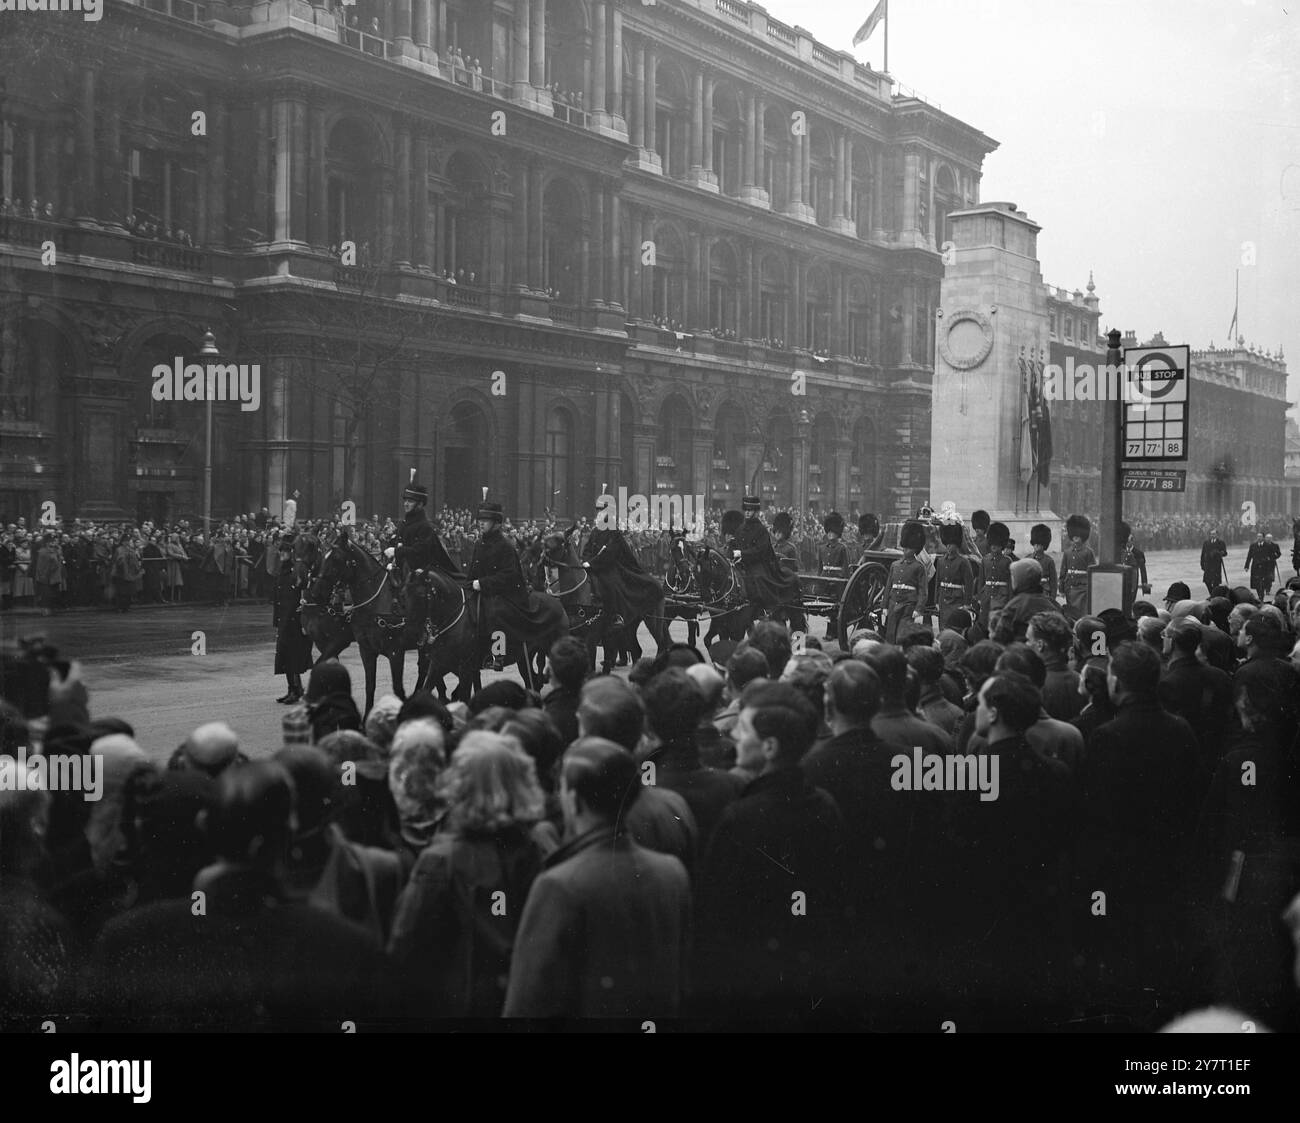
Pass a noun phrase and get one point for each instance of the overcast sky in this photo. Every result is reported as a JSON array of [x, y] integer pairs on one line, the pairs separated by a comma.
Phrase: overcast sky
[[1149, 138]]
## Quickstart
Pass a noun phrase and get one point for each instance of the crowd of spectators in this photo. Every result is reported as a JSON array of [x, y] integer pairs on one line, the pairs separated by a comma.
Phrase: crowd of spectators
[[737, 838]]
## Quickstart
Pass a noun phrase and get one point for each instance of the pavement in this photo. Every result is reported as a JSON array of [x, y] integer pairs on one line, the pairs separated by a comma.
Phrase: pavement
[[167, 669]]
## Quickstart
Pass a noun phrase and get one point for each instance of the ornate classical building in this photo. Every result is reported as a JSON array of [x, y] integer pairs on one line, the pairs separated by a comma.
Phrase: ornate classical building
[[538, 246]]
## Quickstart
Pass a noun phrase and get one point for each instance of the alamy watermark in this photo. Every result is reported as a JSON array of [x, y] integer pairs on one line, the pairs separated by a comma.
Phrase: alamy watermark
[[92, 11], [217, 382], [1105, 382], [658, 511], [56, 772]]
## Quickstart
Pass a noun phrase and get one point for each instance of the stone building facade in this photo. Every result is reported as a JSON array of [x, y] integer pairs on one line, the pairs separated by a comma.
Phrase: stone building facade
[[538, 246]]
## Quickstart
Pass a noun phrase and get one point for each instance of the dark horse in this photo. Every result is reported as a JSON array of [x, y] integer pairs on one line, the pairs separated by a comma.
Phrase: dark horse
[[576, 591], [377, 617], [326, 623], [700, 580]]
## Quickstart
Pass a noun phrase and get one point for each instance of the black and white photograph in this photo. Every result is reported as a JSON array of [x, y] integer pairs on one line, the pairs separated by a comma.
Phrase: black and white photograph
[[649, 517]]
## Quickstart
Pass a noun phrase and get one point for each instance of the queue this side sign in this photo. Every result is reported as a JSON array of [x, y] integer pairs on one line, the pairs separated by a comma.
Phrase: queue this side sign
[[1155, 423]]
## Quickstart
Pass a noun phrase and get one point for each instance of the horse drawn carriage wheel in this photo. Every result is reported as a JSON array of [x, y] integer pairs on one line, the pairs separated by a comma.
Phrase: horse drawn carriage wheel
[[863, 595]]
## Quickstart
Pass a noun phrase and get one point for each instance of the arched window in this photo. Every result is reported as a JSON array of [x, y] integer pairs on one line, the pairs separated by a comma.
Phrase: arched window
[[669, 275], [467, 219], [673, 460], [821, 464], [774, 302], [861, 191], [163, 350], [563, 231], [778, 463], [859, 325], [728, 469], [672, 119], [466, 452], [567, 47], [724, 289], [351, 159], [817, 313], [862, 470], [559, 458], [162, 164], [34, 361], [728, 128]]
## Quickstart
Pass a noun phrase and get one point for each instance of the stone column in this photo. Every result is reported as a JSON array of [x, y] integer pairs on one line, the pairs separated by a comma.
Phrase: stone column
[[747, 156], [878, 196], [635, 273], [616, 65], [84, 194], [911, 230], [805, 155], [318, 195], [837, 187], [520, 46], [536, 279], [697, 124], [537, 44], [420, 199], [596, 267], [638, 104], [422, 22], [520, 246], [931, 231], [707, 131], [614, 286], [599, 55], [402, 196], [402, 24], [651, 94], [112, 188]]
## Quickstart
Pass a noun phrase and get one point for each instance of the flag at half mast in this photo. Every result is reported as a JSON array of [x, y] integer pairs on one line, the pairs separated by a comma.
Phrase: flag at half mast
[[873, 20]]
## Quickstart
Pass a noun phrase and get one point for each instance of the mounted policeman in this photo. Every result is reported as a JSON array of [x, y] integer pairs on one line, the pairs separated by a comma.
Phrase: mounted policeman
[[418, 549]]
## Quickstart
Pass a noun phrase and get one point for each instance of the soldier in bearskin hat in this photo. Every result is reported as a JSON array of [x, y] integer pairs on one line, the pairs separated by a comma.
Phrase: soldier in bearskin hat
[[905, 588], [1129, 554], [417, 549], [1040, 537], [995, 573], [955, 574], [788, 559], [979, 525], [1075, 560], [766, 583], [869, 531], [834, 554]]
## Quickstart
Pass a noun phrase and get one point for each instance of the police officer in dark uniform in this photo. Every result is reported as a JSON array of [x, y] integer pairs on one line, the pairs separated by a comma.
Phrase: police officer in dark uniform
[[494, 570], [418, 549], [292, 648]]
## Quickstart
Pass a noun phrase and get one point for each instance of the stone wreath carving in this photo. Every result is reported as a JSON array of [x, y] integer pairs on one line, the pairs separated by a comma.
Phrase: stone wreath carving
[[966, 357]]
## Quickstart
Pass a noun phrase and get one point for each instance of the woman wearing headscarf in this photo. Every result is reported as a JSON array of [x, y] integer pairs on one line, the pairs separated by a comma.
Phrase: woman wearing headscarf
[[329, 699], [456, 921]]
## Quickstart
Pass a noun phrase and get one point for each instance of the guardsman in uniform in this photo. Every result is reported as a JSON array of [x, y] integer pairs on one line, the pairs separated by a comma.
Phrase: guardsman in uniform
[[1040, 537], [494, 570], [1076, 559], [995, 573], [834, 560], [1131, 555], [834, 555], [418, 549], [869, 531], [979, 525], [956, 577], [905, 586], [787, 557], [766, 583]]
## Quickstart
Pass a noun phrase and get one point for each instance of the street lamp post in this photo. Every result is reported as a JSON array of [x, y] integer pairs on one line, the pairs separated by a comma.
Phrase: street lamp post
[[208, 351]]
